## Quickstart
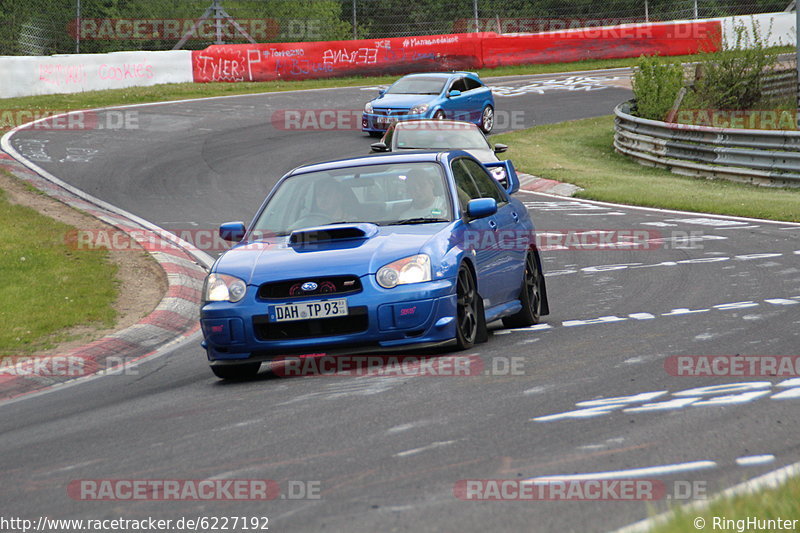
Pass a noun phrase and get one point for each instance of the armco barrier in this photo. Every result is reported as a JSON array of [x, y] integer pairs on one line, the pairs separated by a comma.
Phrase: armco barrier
[[35, 75], [760, 157], [266, 62], [630, 40]]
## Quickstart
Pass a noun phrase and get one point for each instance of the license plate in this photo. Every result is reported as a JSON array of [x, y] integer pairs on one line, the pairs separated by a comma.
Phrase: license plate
[[385, 120], [310, 309]]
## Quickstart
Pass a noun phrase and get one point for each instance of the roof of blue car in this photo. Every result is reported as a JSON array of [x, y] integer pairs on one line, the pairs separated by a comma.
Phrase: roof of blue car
[[441, 74], [394, 157]]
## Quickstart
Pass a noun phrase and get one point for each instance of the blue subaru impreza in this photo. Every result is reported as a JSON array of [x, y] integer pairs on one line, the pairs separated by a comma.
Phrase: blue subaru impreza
[[377, 252], [453, 95]]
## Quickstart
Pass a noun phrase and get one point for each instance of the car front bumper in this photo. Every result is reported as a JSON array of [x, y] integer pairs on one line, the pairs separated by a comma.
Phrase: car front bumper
[[373, 122], [415, 315]]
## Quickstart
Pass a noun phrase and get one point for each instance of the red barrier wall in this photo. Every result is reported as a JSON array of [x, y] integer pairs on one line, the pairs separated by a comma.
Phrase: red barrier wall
[[263, 62], [664, 39], [463, 51]]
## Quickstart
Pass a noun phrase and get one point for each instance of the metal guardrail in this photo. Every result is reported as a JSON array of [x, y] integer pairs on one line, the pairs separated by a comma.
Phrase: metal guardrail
[[780, 83], [760, 157]]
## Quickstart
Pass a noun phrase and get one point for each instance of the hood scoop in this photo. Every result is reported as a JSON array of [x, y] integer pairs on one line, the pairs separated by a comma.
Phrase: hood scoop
[[333, 232]]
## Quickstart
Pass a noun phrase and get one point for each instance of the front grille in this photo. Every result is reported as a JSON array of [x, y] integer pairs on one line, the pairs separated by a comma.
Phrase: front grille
[[392, 112], [355, 322], [293, 288]]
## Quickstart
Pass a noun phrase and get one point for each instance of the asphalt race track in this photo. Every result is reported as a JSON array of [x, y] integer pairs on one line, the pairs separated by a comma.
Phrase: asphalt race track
[[385, 453]]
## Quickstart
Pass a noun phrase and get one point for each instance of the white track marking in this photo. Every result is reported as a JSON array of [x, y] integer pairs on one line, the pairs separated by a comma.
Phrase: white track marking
[[767, 481], [430, 446], [754, 460], [661, 470]]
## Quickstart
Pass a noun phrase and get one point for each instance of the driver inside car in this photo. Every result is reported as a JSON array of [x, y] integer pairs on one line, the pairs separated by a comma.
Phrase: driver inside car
[[428, 200], [333, 200]]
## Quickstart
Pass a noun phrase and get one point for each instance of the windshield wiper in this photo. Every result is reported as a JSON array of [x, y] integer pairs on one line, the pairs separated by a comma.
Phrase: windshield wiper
[[418, 220]]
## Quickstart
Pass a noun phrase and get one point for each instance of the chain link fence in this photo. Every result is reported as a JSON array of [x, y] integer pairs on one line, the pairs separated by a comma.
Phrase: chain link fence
[[44, 27]]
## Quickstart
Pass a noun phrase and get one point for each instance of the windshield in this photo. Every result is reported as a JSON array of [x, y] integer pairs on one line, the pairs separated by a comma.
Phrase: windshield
[[417, 85], [435, 136], [387, 194]]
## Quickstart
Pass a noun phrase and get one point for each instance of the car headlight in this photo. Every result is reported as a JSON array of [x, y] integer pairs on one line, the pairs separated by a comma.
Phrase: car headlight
[[223, 288], [419, 109], [368, 107], [413, 269]]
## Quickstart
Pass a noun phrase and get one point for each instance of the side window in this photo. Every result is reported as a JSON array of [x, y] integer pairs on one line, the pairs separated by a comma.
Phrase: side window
[[487, 186], [472, 84], [459, 85], [464, 185]]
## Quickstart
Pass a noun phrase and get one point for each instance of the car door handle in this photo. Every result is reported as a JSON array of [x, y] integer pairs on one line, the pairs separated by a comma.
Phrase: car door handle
[[493, 225]]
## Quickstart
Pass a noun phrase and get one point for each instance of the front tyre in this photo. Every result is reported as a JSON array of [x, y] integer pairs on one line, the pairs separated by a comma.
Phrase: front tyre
[[439, 115], [487, 119], [236, 372], [531, 296], [466, 309]]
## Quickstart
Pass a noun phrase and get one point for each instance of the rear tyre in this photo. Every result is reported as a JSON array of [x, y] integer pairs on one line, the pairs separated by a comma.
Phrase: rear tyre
[[466, 309], [530, 297], [236, 372], [487, 119]]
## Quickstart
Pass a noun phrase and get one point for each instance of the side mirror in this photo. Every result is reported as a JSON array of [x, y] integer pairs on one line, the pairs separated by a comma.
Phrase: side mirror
[[481, 208], [500, 148], [232, 231], [381, 92], [453, 93], [379, 147]]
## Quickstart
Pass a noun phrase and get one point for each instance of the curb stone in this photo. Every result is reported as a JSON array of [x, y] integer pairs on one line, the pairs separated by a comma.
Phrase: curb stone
[[175, 317], [531, 183]]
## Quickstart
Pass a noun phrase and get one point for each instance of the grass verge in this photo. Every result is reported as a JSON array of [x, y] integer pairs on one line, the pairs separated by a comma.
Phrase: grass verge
[[180, 91], [581, 152], [46, 287], [781, 503]]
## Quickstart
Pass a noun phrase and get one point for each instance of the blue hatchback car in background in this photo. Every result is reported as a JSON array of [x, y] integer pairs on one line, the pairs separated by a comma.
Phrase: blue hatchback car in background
[[376, 252], [453, 95]]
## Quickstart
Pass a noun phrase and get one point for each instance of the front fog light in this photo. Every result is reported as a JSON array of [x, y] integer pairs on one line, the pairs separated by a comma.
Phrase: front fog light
[[413, 269], [224, 288]]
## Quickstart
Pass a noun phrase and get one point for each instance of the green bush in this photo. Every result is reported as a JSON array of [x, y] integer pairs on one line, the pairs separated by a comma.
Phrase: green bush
[[732, 78], [655, 87]]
